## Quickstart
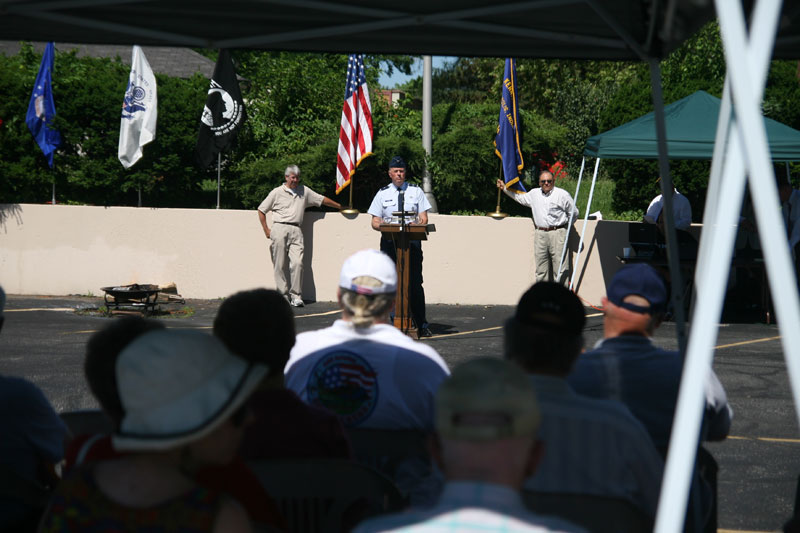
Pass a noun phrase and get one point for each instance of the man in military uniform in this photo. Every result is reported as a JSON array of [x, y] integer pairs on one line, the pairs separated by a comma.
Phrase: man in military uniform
[[383, 205]]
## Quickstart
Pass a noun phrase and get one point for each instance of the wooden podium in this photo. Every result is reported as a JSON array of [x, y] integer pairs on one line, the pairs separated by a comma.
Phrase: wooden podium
[[402, 235]]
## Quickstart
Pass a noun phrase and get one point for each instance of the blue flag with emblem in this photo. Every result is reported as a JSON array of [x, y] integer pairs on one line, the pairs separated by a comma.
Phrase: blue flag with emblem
[[506, 142], [42, 108]]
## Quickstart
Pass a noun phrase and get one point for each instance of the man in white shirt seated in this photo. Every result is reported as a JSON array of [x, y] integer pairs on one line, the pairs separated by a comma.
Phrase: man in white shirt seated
[[553, 214], [486, 423], [681, 210], [364, 369]]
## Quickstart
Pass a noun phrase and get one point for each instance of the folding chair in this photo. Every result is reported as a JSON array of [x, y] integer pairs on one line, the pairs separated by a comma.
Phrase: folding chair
[[598, 514], [385, 449], [326, 495], [401, 455], [23, 491], [87, 421]]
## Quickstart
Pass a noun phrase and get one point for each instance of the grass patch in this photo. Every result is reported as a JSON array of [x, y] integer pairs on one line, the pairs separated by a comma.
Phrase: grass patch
[[602, 199]]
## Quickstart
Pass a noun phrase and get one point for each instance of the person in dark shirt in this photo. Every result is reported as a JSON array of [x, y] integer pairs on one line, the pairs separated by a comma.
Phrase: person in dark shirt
[[258, 325]]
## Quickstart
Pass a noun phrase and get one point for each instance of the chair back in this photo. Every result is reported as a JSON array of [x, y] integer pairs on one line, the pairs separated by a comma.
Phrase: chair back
[[598, 514], [326, 495], [385, 449], [87, 422], [22, 493]]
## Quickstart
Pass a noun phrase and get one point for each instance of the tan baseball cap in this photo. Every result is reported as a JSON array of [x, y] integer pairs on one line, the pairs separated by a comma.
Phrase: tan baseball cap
[[487, 399]]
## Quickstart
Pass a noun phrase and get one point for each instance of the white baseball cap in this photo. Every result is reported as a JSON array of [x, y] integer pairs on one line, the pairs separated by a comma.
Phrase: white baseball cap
[[177, 386], [372, 263]]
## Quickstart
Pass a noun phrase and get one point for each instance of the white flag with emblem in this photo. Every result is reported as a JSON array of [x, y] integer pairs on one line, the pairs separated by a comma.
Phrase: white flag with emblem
[[139, 113]]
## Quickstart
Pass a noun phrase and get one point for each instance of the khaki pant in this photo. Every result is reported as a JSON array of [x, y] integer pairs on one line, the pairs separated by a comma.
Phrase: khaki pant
[[287, 242], [547, 247]]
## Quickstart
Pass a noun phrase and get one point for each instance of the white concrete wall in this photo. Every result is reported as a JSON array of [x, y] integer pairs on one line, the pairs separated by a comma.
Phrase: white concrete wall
[[59, 250]]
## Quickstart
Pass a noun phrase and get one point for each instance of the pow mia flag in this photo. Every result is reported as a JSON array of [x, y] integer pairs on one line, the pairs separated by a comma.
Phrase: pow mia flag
[[223, 113]]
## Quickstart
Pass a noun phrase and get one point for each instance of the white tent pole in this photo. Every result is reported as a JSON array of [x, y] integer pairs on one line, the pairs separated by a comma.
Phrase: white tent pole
[[748, 138], [689, 411], [714, 181], [747, 99], [585, 221], [569, 225]]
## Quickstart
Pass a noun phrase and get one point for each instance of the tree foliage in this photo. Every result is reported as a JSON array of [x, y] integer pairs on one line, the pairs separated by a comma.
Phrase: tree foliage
[[294, 104], [88, 96]]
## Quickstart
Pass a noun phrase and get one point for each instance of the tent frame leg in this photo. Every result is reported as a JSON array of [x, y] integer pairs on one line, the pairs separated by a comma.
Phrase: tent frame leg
[[746, 150]]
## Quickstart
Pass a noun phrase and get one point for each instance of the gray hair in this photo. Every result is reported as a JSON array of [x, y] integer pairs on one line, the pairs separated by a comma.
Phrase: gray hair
[[292, 169], [366, 309]]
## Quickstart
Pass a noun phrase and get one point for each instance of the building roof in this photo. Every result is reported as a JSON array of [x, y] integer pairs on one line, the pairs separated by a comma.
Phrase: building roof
[[172, 61]]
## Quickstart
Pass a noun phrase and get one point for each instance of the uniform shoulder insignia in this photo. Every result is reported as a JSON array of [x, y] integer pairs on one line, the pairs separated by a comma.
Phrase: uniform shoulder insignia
[[384, 187]]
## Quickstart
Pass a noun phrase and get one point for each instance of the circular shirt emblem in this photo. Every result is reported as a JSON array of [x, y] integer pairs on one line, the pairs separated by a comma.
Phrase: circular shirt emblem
[[346, 384]]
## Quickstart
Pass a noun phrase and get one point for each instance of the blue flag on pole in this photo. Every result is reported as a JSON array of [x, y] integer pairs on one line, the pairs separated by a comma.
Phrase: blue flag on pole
[[507, 141], [42, 108]]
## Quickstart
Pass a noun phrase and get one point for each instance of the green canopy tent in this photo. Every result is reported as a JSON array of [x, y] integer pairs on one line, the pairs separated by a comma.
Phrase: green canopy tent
[[691, 125]]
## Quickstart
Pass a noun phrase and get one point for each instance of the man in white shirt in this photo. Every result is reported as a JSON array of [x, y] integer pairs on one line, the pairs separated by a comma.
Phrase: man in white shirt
[[790, 210], [553, 214], [288, 204], [681, 209], [367, 372]]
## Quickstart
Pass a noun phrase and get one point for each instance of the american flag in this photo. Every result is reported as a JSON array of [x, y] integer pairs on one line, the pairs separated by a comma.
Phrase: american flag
[[355, 137]]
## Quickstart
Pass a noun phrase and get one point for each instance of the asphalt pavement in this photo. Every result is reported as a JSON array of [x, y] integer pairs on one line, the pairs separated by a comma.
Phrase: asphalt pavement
[[44, 337]]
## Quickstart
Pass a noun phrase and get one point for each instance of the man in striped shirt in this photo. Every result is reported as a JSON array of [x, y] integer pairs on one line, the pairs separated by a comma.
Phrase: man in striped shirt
[[592, 446]]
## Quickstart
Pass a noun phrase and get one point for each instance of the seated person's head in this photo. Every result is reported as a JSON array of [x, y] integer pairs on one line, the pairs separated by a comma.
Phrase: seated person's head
[[487, 419], [545, 335], [635, 302], [102, 350], [257, 325], [367, 286], [183, 390]]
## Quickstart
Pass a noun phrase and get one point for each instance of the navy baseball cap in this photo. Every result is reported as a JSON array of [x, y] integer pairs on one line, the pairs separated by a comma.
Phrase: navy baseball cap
[[551, 305], [641, 280], [397, 162]]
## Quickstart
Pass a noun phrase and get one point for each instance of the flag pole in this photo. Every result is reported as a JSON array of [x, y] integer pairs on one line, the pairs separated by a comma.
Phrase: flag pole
[[350, 210], [140, 195], [497, 214], [53, 201], [219, 162]]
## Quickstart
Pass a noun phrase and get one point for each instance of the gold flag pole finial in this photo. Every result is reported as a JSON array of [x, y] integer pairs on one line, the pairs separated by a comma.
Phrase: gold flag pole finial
[[349, 210]]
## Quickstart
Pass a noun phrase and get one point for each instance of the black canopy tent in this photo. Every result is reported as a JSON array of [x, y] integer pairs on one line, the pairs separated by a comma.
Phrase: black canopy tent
[[644, 30], [585, 29]]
